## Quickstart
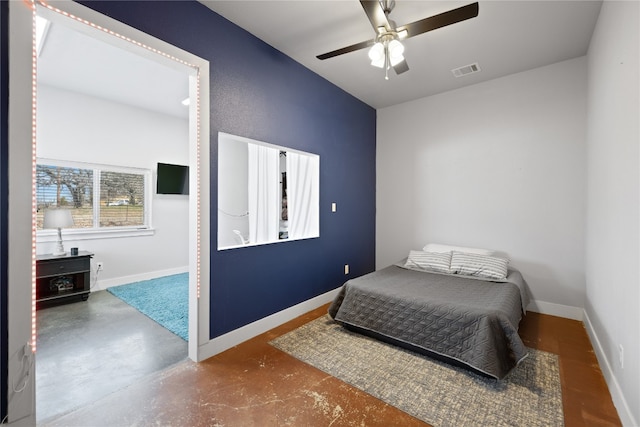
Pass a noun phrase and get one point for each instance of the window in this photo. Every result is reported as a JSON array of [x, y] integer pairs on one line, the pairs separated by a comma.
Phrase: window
[[266, 193], [100, 197], [121, 199]]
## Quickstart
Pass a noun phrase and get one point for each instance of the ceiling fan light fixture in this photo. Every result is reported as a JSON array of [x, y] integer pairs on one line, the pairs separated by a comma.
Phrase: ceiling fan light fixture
[[396, 49], [378, 63], [395, 60], [389, 35], [377, 55]]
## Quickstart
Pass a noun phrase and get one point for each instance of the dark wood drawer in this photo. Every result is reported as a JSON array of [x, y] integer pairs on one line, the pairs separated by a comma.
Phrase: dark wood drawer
[[62, 266]]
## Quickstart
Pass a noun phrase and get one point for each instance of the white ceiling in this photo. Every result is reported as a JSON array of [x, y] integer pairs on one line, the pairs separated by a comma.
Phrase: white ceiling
[[507, 37], [77, 62]]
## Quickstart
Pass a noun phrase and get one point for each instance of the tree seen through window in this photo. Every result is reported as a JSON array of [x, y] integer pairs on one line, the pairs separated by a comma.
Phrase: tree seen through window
[[120, 196]]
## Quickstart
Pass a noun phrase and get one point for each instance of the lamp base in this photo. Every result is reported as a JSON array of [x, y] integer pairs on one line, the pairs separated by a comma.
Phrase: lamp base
[[59, 251]]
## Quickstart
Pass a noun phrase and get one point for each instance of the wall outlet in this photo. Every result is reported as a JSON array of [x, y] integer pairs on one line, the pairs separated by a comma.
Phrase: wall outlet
[[621, 355], [99, 266], [346, 269]]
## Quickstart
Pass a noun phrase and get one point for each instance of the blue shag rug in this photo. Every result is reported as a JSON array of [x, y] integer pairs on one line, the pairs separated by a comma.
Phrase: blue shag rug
[[164, 300]]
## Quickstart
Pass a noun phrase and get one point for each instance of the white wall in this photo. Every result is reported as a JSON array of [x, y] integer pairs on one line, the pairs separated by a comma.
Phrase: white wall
[[77, 127], [233, 190], [499, 165], [613, 202]]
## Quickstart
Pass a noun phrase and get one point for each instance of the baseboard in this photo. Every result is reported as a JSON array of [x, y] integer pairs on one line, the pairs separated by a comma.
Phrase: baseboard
[[566, 311], [102, 284], [233, 338], [621, 404]]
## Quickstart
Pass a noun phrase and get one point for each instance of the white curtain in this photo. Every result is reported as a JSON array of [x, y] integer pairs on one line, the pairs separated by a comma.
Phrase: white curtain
[[303, 191], [264, 206]]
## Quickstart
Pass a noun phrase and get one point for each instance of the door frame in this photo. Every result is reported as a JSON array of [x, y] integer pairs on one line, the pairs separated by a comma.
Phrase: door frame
[[21, 230]]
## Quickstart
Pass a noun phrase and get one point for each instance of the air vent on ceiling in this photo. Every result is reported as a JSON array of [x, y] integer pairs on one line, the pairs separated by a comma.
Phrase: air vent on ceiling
[[467, 69]]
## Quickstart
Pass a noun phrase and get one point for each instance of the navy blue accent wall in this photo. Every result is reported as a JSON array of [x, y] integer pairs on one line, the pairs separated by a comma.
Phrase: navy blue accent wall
[[4, 138], [260, 93]]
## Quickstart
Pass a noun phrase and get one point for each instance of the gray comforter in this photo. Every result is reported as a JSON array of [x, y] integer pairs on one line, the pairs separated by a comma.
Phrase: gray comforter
[[471, 321]]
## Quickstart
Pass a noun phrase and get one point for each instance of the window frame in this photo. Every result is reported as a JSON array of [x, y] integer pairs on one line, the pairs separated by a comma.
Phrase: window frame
[[98, 232]]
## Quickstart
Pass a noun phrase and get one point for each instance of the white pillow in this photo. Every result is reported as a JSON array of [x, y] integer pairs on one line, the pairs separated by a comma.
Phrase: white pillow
[[484, 266], [429, 261], [436, 247]]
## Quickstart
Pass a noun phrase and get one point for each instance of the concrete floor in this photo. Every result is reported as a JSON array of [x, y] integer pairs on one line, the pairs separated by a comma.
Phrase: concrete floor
[[87, 350], [255, 384]]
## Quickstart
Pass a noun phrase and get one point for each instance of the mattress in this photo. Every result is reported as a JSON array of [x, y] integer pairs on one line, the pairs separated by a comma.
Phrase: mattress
[[463, 319]]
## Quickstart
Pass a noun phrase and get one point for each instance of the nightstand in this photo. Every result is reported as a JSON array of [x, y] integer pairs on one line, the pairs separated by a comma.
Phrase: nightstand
[[61, 278]]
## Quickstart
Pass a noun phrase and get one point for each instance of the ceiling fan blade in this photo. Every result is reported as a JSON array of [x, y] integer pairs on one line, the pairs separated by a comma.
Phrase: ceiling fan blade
[[347, 49], [401, 67], [441, 20], [376, 14]]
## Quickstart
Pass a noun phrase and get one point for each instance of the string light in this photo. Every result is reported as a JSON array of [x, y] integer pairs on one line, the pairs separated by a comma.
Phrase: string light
[[198, 183], [115, 34], [34, 103]]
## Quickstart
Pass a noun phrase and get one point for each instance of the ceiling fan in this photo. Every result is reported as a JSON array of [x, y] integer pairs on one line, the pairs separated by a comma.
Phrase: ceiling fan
[[386, 49]]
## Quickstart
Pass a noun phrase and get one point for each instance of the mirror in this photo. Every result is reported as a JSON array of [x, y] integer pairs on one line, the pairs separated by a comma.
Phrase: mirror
[[266, 193]]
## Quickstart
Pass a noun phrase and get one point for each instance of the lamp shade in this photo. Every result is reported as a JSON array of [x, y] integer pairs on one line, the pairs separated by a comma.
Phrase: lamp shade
[[57, 218], [377, 55], [396, 49]]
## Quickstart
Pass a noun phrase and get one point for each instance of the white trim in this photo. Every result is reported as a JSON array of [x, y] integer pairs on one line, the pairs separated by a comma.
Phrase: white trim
[[228, 136], [566, 311], [621, 404], [199, 210], [46, 161], [101, 284], [235, 337], [92, 234], [21, 405]]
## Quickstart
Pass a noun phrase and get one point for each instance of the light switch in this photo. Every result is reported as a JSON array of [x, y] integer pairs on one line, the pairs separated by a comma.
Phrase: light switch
[[333, 207], [346, 269]]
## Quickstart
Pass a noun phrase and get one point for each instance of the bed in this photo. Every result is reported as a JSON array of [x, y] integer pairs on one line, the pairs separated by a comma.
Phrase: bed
[[462, 319]]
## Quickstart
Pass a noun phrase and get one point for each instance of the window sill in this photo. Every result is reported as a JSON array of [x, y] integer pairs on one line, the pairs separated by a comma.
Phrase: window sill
[[45, 236]]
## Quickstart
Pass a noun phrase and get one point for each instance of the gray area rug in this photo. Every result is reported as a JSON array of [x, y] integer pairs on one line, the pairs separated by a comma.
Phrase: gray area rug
[[431, 391]]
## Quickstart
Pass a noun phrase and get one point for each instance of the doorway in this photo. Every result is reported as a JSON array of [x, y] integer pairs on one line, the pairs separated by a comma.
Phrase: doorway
[[21, 149], [103, 125]]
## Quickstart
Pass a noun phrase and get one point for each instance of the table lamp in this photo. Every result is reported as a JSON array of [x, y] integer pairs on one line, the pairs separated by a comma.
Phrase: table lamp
[[58, 218]]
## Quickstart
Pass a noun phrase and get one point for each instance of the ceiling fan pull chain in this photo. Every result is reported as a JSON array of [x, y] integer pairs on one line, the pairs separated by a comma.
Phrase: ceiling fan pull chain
[[387, 65]]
